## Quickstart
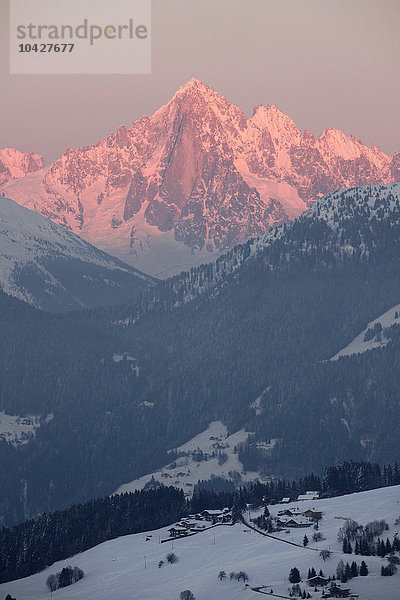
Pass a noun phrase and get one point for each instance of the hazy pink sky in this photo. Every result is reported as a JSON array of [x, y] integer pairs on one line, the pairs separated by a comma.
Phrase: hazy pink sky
[[325, 63]]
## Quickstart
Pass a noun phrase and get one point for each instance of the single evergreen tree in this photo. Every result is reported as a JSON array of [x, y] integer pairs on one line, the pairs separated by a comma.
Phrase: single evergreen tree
[[347, 572], [354, 569], [311, 573], [388, 547], [340, 569], [294, 575], [363, 569]]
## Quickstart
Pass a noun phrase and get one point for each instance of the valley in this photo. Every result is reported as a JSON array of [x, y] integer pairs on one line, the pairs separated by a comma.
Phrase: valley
[[200, 300]]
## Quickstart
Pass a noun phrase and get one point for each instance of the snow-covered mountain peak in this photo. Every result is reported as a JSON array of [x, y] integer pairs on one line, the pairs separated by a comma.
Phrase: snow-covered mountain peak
[[177, 188], [206, 106], [15, 164], [195, 86], [333, 143], [277, 123]]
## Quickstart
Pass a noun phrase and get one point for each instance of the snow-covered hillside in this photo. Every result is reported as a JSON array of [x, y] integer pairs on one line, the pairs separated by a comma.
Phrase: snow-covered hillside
[[368, 339], [51, 267], [127, 567], [19, 429], [187, 469]]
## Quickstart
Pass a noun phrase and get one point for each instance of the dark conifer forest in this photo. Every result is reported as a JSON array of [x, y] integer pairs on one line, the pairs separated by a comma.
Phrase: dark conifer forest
[[262, 322]]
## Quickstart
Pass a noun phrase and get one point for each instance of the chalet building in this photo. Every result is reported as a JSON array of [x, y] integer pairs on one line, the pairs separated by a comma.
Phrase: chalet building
[[309, 496], [295, 523], [318, 581], [178, 531], [186, 524], [289, 513], [315, 515], [216, 516], [335, 591], [211, 515], [226, 517], [285, 501]]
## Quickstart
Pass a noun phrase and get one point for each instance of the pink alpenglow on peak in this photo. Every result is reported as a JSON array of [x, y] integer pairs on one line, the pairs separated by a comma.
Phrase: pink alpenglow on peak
[[177, 188], [15, 164]]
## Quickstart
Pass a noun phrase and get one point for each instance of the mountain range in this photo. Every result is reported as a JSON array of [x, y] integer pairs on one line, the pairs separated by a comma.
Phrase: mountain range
[[197, 177]]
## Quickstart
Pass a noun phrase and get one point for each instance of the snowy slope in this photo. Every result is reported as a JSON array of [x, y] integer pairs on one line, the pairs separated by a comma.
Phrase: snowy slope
[[18, 429], [359, 345], [185, 472], [51, 267], [116, 569]]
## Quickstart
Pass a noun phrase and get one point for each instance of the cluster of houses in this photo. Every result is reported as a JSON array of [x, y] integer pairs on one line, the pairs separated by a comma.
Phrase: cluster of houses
[[310, 495], [333, 591], [297, 518], [191, 525]]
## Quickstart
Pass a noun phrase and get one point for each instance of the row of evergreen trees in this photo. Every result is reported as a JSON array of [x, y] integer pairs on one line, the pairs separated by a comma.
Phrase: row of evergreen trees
[[347, 571], [35, 544], [346, 478], [367, 547], [351, 476]]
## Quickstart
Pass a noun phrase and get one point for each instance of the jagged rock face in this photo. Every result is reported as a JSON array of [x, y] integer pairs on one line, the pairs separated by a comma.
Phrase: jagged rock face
[[395, 167], [15, 164], [197, 175], [222, 209]]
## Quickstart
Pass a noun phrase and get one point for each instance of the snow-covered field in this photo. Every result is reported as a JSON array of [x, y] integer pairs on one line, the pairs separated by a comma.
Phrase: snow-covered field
[[185, 472], [16, 429], [358, 345], [116, 569]]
